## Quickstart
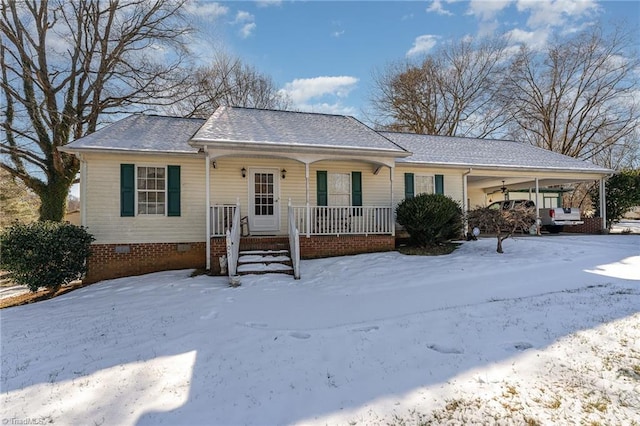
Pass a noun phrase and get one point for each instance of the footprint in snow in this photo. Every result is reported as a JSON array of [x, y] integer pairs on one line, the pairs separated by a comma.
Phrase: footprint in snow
[[445, 349], [256, 324], [231, 299], [366, 329], [522, 346], [299, 335], [211, 315]]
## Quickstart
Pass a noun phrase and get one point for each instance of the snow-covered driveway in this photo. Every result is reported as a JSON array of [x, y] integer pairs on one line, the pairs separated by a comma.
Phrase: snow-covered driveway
[[548, 331]]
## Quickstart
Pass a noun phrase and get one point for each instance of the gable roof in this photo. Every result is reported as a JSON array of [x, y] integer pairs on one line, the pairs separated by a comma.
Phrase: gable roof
[[143, 133], [233, 125], [490, 153]]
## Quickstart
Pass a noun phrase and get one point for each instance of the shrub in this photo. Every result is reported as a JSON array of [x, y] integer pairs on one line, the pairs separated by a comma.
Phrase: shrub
[[504, 223], [45, 254], [430, 219]]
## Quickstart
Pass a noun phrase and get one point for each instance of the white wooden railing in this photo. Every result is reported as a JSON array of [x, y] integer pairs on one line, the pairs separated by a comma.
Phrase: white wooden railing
[[222, 218], [325, 220], [294, 243], [233, 243]]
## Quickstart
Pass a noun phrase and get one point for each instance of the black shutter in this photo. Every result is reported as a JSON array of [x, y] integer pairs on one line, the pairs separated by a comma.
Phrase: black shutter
[[127, 190], [321, 188], [173, 190], [408, 185]]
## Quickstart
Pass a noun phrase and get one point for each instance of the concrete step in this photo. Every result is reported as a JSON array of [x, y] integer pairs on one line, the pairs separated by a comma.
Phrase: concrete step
[[265, 261]]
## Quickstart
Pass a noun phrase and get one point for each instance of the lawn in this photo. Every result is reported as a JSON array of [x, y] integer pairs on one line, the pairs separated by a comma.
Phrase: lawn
[[547, 333]]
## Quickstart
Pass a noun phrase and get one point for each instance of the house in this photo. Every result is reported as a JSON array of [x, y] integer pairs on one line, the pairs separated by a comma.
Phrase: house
[[164, 193]]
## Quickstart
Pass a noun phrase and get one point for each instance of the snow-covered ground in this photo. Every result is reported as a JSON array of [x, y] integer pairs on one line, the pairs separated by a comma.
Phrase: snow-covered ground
[[548, 332]]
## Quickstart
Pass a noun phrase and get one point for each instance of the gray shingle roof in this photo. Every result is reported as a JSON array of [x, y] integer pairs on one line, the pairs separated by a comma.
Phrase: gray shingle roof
[[456, 151], [143, 133], [286, 128]]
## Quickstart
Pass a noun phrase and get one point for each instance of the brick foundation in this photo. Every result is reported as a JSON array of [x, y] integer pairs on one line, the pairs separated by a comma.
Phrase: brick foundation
[[108, 261], [330, 245], [592, 225]]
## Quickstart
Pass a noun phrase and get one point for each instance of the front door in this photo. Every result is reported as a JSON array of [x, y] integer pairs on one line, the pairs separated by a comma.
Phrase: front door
[[264, 206]]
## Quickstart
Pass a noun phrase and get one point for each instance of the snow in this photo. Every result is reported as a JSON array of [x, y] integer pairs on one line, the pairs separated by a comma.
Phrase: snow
[[547, 332]]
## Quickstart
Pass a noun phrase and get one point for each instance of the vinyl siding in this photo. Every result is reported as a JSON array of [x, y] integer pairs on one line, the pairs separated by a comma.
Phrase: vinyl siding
[[103, 218], [452, 180]]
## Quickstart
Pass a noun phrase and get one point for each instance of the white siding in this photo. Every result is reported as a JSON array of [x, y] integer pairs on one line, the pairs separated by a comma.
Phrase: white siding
[[103, 201], [452, 181]]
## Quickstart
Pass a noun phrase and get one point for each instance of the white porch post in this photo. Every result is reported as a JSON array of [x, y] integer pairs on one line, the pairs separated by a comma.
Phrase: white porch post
[[603, 203], [207, 175], [537, 207], [307, 211], [465, 198], [83, 190], [392, 222]]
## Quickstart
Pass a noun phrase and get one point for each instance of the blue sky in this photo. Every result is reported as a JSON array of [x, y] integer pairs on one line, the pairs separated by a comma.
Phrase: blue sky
[[323, 53]]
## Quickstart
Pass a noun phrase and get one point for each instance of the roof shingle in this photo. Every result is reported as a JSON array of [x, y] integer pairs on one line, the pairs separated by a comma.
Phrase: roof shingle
[[286, 128], [471, 152], [139, 132]]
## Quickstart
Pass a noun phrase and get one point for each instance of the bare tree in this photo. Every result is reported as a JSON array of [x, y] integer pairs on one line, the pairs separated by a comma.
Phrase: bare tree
[[502, 222], [17, 202], [227, 81], [452, 92], [579, 97], [65, 64]]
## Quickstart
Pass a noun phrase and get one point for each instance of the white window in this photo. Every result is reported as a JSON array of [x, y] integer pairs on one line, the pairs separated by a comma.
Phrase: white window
[[423, 185], [151, 192], [339, 189]]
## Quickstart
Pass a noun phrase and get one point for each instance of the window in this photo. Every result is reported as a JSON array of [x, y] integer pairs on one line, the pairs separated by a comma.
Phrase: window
[[423, 185], [151, 190], [339, 189]]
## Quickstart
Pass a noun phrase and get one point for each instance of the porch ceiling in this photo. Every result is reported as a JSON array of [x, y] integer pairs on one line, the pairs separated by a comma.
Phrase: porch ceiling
[[493, 183]]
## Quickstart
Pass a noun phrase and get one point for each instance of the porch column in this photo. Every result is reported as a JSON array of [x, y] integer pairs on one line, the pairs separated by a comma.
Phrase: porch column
[[603, 203], [307, 211], [537, 207], [392, 171], [83, 190], [207, 175], [465, 198]]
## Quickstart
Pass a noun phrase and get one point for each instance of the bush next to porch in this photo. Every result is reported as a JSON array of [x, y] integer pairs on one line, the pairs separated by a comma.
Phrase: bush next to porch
[[45, 254], [430, 219]]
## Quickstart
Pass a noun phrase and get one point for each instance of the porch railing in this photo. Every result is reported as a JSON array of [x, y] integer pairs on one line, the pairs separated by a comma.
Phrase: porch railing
[[233, 243], [330, 220], [294, 243], [222, 218]]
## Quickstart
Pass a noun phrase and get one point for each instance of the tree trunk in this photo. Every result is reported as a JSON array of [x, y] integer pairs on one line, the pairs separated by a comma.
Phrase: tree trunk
[[54, 200], [499, 248]]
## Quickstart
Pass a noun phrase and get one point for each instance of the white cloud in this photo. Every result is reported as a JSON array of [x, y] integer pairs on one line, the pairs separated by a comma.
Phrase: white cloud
[[487, 10], [327, 108], [423, 44], [247, 29], [436, 7], [302, 90], [556, 12], [536, 39], [209, 11], [267, 3], [246, 22], [337, 34]]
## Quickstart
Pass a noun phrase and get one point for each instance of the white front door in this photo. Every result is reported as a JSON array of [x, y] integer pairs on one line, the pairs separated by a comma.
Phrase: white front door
[[264, 205]]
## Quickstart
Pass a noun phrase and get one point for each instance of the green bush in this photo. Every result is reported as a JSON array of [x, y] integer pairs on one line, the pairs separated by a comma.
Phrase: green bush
[[45, 254], [430, 219]]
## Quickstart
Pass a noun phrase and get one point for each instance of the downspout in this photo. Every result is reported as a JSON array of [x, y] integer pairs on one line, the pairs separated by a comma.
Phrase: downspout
[[603, 203], [307, 210], [392, 221], [207, 185], [83, 190], [537, 207], [465, 197]]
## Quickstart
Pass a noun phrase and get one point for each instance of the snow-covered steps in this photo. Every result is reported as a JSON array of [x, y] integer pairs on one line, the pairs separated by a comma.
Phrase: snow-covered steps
[[264, 262]]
